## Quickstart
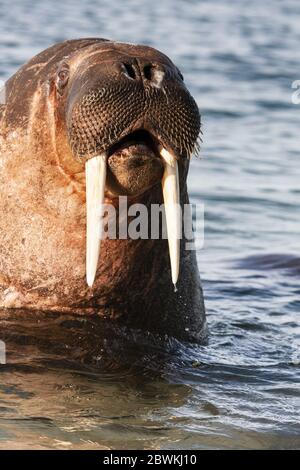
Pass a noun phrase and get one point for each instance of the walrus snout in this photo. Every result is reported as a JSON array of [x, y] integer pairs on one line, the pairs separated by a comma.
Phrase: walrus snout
[[113, 94]]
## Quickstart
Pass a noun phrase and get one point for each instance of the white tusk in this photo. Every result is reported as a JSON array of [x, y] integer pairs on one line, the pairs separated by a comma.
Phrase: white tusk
[[171, 193], [95, 173]]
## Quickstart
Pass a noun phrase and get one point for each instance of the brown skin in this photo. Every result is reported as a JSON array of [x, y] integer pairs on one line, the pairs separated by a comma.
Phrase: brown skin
[[48, 129]]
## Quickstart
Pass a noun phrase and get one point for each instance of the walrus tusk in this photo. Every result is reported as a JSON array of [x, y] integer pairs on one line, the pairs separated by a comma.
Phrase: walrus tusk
[[95, 186], [95, 172], [171, 193]]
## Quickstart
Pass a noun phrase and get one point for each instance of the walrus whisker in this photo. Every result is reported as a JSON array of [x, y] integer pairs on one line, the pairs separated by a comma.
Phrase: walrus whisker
[[171, 193], [95, 170]]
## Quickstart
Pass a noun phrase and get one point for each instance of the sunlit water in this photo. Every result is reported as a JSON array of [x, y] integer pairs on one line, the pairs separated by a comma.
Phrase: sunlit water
[[242, 390]]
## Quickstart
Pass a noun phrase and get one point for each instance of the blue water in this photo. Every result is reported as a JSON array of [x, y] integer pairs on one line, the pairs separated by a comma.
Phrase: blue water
[[242, 390]]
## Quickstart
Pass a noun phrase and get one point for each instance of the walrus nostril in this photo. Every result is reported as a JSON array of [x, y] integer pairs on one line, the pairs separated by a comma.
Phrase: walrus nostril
[[154, 74], [148, 71], [129, 70]]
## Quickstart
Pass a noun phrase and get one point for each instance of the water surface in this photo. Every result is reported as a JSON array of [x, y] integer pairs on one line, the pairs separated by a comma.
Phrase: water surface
[[242, 390]]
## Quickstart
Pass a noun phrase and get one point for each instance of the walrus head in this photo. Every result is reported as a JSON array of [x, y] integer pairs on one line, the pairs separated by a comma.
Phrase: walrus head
[[130, 118], [120, 112]]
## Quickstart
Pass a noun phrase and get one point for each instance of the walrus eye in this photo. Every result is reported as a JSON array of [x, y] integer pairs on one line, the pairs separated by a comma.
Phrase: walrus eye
[[62, 80]]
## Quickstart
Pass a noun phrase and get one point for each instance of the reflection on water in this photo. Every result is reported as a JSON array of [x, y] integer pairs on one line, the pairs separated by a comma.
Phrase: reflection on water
[[73, 383]]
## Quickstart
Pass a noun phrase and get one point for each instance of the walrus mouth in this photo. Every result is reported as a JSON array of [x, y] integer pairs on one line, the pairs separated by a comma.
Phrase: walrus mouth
[[134, 164], [96, 171], [140, 138]]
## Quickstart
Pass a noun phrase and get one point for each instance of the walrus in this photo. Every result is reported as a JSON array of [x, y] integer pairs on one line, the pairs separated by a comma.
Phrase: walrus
[[85, 122]]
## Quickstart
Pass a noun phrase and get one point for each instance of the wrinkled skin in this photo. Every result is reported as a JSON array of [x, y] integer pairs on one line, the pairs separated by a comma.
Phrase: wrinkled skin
[[68, 104]]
